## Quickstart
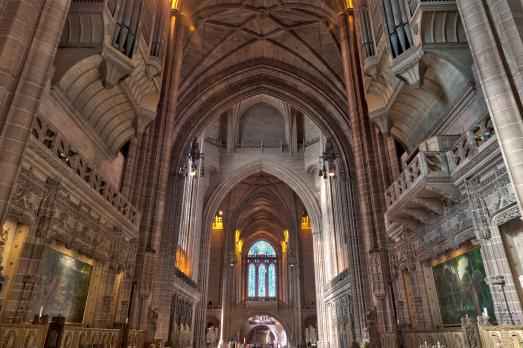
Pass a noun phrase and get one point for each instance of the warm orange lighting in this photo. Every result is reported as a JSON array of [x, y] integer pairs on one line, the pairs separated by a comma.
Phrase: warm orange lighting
[[218, 223], [192, 28], [175, 4], [239, 246], [348, 4], [285, 242], [182, 262], [305, 223]]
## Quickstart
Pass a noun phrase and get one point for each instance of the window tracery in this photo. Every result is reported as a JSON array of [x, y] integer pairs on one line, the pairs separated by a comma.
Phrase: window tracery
[[261, 271]]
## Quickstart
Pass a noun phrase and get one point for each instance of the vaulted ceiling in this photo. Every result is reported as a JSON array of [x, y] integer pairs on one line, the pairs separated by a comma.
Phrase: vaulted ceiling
[[298, 38], [262, 203]]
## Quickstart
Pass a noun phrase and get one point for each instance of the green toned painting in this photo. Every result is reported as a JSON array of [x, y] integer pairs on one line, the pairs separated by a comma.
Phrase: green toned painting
[[461, 288], [65, 287]]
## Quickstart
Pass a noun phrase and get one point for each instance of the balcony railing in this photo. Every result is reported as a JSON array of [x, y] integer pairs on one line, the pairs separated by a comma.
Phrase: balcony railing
[[339, 279], [45, 135], [472, 143], [426, 165], [185, 279], [429, 178]]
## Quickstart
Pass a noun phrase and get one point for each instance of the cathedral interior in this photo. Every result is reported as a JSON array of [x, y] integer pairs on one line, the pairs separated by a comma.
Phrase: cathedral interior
[[261, 173]]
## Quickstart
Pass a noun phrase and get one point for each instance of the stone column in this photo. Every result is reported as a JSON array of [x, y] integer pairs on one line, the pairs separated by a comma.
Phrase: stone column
[[150, 193], [319, 273], [369, 189], [502, 99], [31, 31]]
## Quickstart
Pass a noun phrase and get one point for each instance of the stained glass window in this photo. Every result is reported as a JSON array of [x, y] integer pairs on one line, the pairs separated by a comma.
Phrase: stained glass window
[[272, 280], [252, 281], [262, 248], [262, 276], [261, 271]]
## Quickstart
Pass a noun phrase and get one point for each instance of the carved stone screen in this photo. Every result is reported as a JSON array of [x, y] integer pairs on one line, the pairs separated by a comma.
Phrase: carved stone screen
[[461, 287], [64, 287]]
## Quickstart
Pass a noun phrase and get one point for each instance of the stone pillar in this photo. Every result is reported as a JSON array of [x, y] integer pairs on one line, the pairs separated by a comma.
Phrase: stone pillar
[[149, 192], [502, 98], [368, 187], [319, 273], [31, 31]]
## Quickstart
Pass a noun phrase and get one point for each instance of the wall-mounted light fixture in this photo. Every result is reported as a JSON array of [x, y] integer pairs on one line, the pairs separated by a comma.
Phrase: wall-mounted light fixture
[[328, 162], [194, 160]]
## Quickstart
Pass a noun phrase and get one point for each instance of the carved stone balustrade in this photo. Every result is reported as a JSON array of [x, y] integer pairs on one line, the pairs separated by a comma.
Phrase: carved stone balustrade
[[33, 336], [46, 138], [501, 336], [22, 335], [451, 338], [76, 337], [136, 339], [473, 142], [421, 190]]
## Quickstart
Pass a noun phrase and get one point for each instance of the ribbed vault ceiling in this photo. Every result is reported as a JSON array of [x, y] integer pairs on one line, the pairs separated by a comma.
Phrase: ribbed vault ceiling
[[262, 203], [298, 34]]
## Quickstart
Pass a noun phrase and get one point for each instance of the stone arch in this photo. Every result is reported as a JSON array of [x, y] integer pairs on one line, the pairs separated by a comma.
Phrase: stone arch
[[195, 112], [251, 313], [291, 179], [267, 237]]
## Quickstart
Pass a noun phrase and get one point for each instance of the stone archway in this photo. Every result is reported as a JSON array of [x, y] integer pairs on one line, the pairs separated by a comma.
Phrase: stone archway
[[260, 166], [240, 322]]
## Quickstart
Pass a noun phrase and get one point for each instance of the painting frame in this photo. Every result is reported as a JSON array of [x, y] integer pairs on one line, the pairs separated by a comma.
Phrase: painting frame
[[461, 289]]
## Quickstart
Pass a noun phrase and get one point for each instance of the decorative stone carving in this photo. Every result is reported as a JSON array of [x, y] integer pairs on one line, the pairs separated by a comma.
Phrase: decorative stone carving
[[470, 328], [115, 67], [381, 118], [408, 67], [26, 198], [44, 134], [509, 214], [377, 280]]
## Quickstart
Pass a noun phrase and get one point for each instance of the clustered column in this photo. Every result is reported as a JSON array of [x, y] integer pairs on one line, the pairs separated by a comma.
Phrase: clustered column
[[370, 196], [31, 30], [503, 100], [148, 191]]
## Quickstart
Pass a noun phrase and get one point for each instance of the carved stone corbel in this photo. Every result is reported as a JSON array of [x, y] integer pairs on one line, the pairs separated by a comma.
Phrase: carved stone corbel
[[409, 67], [153, 67], [381, 118], [115, 67], [371, 66], [143, 118]]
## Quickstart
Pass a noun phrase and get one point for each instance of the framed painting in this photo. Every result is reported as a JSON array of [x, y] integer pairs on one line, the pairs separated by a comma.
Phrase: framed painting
[[461, 287], [64, 287]]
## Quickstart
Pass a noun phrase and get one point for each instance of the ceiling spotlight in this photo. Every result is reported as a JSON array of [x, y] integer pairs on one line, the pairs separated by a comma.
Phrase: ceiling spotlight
[[220, 213]]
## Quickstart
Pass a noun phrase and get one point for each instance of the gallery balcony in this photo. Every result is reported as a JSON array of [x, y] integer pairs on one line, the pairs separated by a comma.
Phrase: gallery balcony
[[102, 62], [431, 178], [421, 190], [419, 70]]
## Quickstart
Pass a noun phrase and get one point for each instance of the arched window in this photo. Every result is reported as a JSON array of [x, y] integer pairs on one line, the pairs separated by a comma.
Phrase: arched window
[[252, 280], [261, 271]]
